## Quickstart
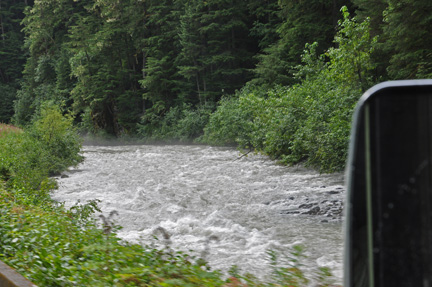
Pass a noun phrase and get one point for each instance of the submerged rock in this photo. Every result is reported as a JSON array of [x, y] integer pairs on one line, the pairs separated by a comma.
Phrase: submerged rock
[[327, 204]]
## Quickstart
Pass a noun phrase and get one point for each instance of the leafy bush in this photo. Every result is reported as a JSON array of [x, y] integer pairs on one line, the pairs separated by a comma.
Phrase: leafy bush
[[24, 167], [229, 124], [49, 146], [56, 132], [308, 122], [180, 123]]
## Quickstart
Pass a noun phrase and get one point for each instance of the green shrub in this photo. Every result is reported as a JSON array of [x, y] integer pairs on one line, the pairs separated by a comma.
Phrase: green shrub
[[27, 158], [180, 123], [57, 133], [24, 166], [229, 124], [307, 122]]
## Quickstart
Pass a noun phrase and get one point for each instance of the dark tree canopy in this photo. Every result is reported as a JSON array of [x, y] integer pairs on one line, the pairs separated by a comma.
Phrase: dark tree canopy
[[12, 56], [121, 66]]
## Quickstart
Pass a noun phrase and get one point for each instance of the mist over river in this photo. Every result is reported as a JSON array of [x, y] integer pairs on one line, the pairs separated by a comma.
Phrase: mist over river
[[246, 205]]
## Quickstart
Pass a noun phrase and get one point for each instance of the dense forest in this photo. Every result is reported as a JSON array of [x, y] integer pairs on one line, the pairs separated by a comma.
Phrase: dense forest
[[276, 76]]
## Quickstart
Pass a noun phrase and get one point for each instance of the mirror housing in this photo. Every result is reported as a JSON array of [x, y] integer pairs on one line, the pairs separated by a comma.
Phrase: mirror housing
[[388, 228]]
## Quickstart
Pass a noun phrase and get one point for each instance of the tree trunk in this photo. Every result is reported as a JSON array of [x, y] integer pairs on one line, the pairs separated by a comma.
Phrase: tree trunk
[[1, 24], [198, 88], [205, 90], [144, 63], [335, 15]]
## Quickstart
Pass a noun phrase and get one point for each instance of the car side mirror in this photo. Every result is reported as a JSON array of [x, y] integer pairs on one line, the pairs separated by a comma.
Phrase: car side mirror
[[388, 229]]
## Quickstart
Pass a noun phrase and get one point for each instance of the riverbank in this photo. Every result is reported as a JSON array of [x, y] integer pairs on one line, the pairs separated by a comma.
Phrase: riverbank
[[54, 245]]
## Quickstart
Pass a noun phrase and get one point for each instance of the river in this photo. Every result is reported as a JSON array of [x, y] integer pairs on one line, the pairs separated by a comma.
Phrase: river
[[214, 202]]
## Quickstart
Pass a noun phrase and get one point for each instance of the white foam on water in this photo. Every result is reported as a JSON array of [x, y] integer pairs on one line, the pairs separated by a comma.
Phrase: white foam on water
[[199, 192]]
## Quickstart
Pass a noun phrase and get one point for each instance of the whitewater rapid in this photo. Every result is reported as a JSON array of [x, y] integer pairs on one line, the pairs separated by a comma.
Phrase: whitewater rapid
[[214, 203]]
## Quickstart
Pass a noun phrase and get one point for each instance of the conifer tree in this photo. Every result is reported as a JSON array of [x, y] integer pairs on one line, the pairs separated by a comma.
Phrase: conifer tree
[[12, 58], [215, 48], [46, 26], [372, 9], [265, 17], [407, 31], [303, 22], [159, 49], [104, 64]]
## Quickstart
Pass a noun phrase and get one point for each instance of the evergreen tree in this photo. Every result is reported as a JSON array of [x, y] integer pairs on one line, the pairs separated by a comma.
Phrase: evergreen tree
[[265, 17], [159, 49], [86, 55], [46, 71], [303, 22], [104, 63], [216, 51], [372, 9], [12, 57], [407, 31]]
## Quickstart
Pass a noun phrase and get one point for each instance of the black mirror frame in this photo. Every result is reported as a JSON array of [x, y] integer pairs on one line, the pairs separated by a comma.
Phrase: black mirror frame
[[358, 207]]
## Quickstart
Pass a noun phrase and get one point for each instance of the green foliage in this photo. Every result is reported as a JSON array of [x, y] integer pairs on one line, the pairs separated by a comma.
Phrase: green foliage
[[107, 89], [293, 278], [351, 61], [265, 16], [56, 132], [7, 97], [372, 9], [411, 51], [114, 62], [23, 108], [402, 53], [215, 49], [180, 123], [276, 62], [229, 124], [24, 167], [49, 146], [12, 58], [160, 46], [309, 121]]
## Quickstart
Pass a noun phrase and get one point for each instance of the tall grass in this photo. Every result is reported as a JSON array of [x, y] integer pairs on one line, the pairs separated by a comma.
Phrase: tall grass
[[6, 129]]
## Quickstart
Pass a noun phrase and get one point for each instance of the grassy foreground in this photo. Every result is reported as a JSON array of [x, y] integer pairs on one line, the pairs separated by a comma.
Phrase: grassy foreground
[[55, 246]]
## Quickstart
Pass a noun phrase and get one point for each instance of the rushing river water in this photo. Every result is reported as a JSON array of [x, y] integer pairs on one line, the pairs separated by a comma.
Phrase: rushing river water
[[246, 205]]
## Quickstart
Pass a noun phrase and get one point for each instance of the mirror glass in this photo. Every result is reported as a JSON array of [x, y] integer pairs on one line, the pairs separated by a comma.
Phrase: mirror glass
[[389, 204]]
